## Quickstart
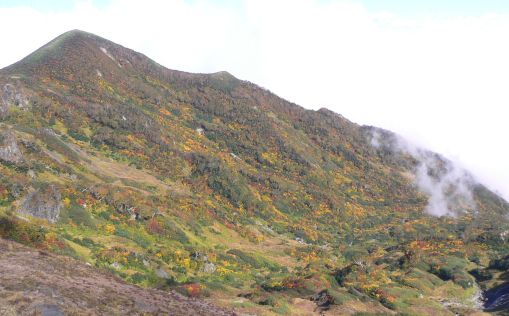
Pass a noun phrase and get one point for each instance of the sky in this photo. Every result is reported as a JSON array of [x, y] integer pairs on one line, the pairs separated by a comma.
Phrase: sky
[[434, 71]]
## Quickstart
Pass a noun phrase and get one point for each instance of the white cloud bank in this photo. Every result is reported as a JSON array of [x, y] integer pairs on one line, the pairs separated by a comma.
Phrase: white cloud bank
[[440, 81]]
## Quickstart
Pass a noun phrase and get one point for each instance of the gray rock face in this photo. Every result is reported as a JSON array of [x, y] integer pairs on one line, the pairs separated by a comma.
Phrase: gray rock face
[[161, 273], [4, 104], [49, 310], [43, 203], [115, 265], [9, 95], [9, 150], [209, 267]]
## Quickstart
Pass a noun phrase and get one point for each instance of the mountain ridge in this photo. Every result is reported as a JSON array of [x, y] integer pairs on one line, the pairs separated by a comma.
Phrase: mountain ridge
[[216, 187]]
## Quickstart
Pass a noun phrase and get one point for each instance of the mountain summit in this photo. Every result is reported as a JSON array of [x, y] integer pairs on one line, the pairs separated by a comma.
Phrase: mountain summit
[[219, 189], [78, 54]]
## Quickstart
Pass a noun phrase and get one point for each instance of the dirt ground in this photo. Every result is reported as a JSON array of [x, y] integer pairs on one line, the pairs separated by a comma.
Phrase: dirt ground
[[38, 283]]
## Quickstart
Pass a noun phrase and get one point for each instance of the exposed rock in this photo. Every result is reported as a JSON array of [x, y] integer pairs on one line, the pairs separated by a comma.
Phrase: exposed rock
[[9, 150], [209, 267], [43, 203], [161, 273], [49, 310], [31, 174], [323, 300], [4, 105], [9, 95], [115, 265]]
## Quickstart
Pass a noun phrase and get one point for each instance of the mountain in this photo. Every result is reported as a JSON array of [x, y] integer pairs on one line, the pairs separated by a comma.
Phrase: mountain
[[217, 188]]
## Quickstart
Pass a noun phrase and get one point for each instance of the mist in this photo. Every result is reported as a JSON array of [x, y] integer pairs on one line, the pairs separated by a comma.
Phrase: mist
[[447, 185]]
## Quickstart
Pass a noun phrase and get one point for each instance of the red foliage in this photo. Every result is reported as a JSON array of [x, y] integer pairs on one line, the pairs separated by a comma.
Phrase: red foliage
[[154, 227], [193, 290]]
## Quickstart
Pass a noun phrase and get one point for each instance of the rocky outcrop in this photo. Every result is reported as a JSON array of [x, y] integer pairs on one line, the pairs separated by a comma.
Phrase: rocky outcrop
[[43, 203], [10, 95], [209, 267], [9, 150], [323, 301], [4, 104]]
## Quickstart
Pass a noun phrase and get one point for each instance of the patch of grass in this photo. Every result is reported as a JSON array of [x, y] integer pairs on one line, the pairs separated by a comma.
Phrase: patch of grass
[[253, 260], [133, 235], [78, 215]]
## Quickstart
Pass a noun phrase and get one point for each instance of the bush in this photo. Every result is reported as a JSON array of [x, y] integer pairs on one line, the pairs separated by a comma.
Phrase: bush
[[453, 269], [172, 231], [85, 242], [481, 275], [500, 264], [136, 237], [253, 261], [21, 231], [78, 136], [80, 216]]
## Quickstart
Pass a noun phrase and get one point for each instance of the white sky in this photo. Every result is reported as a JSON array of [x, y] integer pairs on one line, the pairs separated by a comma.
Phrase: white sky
[[441, 80]]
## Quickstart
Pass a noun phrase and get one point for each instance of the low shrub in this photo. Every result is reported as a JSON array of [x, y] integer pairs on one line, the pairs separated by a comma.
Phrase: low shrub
[[21, 231]]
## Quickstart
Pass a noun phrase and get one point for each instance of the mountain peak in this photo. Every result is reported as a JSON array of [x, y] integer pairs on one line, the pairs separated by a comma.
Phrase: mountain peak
[[76, 32], [74, 35], [71, 49], [79, 55]]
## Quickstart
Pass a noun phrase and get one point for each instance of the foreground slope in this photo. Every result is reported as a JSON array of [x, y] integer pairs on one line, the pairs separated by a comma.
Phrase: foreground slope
[[40, 283], [216, 187]]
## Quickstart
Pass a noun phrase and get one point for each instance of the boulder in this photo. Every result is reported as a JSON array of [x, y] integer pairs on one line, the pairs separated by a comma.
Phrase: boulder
[[43, 203]]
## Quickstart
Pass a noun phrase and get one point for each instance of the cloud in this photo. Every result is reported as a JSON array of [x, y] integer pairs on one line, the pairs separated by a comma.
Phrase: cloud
[[439, 81], [447, 185]]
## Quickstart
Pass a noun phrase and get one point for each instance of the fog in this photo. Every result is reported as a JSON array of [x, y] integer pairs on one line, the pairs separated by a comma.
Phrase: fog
[[447, 185]]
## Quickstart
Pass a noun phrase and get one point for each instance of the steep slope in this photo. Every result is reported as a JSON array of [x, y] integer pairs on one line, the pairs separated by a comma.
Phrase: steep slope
[[217, 187]]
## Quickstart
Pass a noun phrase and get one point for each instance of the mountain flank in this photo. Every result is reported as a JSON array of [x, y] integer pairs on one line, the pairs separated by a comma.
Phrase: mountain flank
[[215, 188]]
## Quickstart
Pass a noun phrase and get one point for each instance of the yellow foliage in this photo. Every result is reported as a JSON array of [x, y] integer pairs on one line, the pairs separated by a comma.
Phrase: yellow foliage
[[164, 111], [323, 209], [109, 229], [186, 262], [271, 157], [355, 211], [222, 271]]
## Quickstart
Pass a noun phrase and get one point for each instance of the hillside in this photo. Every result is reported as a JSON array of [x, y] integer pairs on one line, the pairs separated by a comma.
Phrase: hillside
[[39, 283], [219, 189]]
